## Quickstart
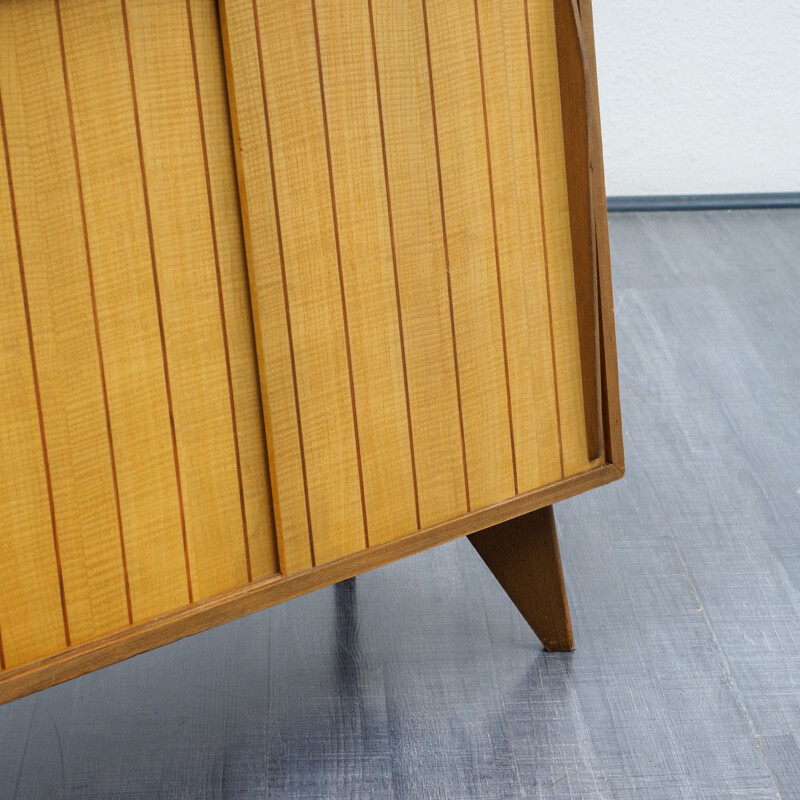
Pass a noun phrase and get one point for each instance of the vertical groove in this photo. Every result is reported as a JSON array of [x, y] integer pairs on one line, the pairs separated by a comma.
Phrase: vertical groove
[[544, 237], [341, 272], [98, 341], [496, 247], [283, 279], [35, 372], [2, 654], [220, 297], [158, 297], [446, 251], [394, 258]]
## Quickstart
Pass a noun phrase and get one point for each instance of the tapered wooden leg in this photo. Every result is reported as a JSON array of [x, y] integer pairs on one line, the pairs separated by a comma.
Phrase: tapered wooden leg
[[523, 555]]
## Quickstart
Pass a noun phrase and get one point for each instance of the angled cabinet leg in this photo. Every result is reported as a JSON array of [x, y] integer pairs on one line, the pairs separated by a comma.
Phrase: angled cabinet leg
[[523, 555]]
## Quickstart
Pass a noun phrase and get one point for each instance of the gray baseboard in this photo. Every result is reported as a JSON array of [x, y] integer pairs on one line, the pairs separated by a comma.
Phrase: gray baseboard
[[703, 202]]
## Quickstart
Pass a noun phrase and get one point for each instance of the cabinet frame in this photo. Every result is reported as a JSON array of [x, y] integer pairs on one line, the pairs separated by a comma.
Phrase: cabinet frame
[[580, 111]]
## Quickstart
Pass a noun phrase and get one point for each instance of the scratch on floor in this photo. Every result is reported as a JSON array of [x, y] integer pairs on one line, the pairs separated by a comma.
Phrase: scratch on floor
[[60, 744], [555, 783], [25, 749]]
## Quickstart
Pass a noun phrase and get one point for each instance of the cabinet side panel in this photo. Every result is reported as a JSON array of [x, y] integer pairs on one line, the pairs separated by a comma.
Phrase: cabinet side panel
[[612, 421]]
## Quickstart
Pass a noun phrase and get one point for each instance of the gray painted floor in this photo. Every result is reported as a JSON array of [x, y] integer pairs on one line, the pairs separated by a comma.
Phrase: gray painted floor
[[421, 681]]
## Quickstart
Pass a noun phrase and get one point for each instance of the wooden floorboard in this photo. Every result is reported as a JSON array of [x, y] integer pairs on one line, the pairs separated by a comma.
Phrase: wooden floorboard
[[421, 680]]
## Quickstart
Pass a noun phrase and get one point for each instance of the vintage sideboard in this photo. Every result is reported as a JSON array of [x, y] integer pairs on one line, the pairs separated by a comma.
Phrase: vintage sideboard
[[291, 289]]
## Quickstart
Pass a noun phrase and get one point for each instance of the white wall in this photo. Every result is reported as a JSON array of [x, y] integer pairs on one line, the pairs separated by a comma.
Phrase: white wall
[[699, 96]]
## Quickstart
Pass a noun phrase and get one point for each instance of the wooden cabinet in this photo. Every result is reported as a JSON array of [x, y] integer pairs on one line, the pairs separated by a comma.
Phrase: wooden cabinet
[[291, 290]]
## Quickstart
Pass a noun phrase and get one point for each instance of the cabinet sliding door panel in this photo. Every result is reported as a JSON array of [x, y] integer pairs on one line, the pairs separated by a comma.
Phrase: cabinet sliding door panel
[[403, 175], [134, 476]]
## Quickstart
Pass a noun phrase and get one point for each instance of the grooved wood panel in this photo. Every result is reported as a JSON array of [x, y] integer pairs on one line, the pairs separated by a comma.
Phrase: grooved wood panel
[[134, 476], [402, 169]]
